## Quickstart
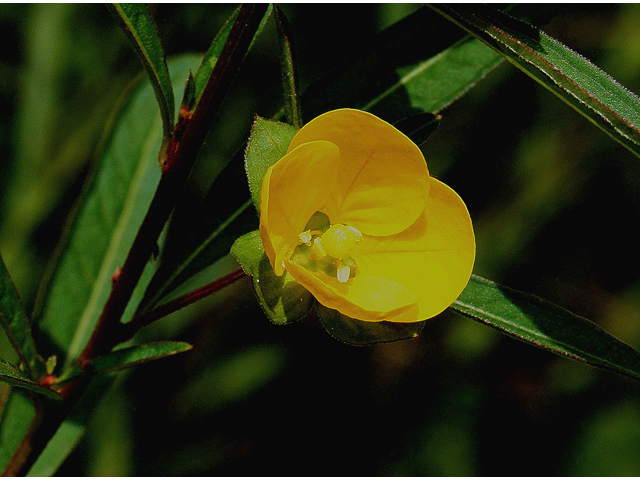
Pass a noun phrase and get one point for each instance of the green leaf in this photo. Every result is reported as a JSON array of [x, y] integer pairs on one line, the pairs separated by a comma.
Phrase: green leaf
[[417, 69], [58, 449], [124, 358], [287, 68], [543, 324], [11, 375], [106, 221], [16, 324], [574, 79], [268, 143], [435, 83], [137, 23], [221, 217], [283, 299], [359, 333], [211, 57], [17, 415], [72, 429], [137, 355]]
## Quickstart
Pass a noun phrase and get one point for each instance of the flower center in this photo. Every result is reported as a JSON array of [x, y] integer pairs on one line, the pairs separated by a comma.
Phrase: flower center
[[326, 247]]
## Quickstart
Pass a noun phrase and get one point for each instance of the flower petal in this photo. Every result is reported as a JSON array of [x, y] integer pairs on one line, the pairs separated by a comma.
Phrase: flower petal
[[383, 180], [292, 191], [434, 257], [364, 297]]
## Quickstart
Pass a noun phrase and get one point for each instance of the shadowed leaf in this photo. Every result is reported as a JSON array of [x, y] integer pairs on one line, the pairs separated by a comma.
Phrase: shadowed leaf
[[543, 324], [16, 324], [137, 23], [569, 75]]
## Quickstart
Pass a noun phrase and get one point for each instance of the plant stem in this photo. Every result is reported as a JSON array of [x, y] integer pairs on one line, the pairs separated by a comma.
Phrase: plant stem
[[181, 152], [129, 329]]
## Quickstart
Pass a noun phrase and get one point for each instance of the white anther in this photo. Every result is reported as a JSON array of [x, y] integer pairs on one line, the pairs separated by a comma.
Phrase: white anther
[[305, 237], [356, 232], [318, 248], [343, 273]]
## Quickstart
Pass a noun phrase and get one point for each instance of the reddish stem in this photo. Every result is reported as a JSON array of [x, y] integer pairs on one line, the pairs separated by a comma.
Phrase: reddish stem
[[129, 329], [180, 155]]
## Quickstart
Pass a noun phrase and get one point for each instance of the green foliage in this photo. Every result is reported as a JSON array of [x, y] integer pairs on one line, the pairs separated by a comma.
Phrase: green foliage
[[11, 375], [124, 358], [288, 69], [545, 325], [16, 417], [137, 24], [417, 74], [572, 77], [16, 324], [102, 231]]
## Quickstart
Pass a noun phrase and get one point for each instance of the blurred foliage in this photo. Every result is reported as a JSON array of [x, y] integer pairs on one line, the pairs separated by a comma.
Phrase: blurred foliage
[[555, 204]]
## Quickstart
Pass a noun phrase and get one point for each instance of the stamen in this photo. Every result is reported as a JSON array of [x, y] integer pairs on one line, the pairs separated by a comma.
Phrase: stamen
[[343, 272], [356, 232], [305, 237], [318, 248]]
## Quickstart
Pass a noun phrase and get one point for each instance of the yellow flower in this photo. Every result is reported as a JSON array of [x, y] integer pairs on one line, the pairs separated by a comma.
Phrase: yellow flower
[[352, 214]]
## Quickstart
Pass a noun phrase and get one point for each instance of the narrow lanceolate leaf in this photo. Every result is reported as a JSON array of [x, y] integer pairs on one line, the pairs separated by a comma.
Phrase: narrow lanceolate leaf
[[211, 57], [288, 69], [137, 23], [416, 68], [107, 219], [16, 324], [11, 375], [138, 355], [543, 324], [570, 76], [126, 358], [17, 414]]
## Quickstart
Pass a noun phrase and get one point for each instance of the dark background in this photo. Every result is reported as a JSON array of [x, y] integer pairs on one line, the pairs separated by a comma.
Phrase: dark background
[[555, 204]]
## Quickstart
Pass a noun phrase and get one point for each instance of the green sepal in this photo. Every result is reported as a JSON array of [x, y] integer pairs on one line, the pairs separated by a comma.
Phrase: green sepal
[[360, 333], [283, 300], [268, 143]]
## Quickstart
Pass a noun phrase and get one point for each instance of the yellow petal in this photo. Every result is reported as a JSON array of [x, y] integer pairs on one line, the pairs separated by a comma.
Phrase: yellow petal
[[383, 179], [434, 257], [364, 297], [292, 190]]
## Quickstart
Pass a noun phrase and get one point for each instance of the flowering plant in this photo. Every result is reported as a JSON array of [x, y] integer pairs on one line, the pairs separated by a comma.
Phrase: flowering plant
[[341, 223], [352, 214]]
